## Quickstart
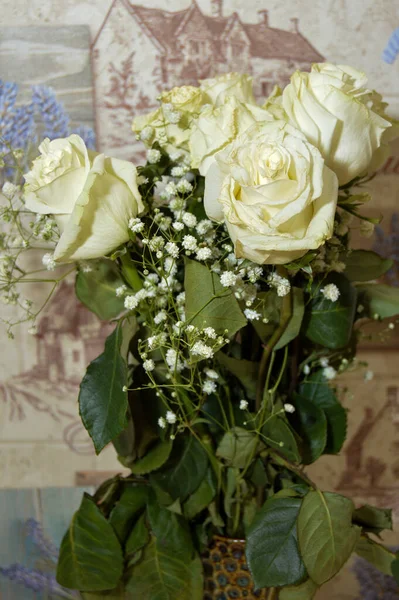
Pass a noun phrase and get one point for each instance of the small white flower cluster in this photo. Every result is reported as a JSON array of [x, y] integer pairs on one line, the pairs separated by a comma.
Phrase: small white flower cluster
[[328, 257], [328, 371], [49, 262], [281, 284], [330, 292], [153, 156]]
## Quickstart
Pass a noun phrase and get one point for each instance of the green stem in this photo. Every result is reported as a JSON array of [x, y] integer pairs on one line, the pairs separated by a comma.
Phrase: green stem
[[278, 459], [285, 316], [130, 272]]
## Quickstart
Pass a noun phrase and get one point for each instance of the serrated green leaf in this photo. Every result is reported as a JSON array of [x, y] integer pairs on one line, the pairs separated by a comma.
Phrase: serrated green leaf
[[201, 498], [190, 463], [96, 289], [139, 536], [132, 501], [154, 459], [294, 324], [90, 556], [317, 389], [326, 535], [311, 424], [272, 544], [163, 575], [279, 436], [170, 529], [237, 447], [102, 398], [245, 370], [208, 303], [373, 519], [376, 554], [330, 323], [365, 265], [304, 591], [379, 299]]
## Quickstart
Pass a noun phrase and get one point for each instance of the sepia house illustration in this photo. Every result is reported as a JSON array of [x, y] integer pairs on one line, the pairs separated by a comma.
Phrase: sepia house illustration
[[140, 51], [69, 337]]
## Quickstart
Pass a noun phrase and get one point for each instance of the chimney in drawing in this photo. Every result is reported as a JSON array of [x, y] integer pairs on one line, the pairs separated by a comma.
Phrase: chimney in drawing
[[264, 17], [217, 8], [295, 25]]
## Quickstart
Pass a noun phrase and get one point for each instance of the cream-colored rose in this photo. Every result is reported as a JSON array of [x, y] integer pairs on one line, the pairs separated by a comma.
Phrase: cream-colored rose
[[170, 125], [331, 106], [236, 85], [275, 194], [218, 126], [92, 197]]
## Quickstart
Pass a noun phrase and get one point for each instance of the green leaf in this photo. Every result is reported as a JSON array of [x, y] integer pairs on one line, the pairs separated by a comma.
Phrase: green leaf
[[326, 535], [373, 519], [245, 370], [379, 299], [139, 536], [102, 399], [272, 544], [170, 529], [330, 323], [188, 470], [294, 324], [395, 568], [90, 556], [376, 554], [154, 459], [208, 303], [304, 591], [133, 500], [202, 496], [311, 424], [279, 436], [237, 447], [365, 265], [317, 389], [96, 289], [163, 575]]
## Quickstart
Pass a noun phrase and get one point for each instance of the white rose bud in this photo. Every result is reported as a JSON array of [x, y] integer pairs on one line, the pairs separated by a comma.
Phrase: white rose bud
[[342, 118], [274, 192], [91, 197]]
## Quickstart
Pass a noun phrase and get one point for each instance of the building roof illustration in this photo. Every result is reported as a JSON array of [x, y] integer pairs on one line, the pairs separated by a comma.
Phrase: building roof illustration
[[266, 42]]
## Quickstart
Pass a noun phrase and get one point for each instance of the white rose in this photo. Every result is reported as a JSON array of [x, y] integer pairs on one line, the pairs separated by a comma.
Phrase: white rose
[[275, 194], [217, 126], [170, 125], [236, 85], [92, 197], [331, 106]]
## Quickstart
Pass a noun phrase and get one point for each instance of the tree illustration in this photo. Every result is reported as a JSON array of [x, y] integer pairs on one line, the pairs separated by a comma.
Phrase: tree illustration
[[122, 84]]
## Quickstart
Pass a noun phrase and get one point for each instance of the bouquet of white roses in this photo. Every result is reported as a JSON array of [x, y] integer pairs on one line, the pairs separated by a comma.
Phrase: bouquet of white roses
[[225, 264]]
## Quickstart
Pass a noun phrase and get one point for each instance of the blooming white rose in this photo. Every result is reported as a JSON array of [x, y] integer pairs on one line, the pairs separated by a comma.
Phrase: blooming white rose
[[275, 194], [331, 106], [217, 126], [236, 85], [91, 197]]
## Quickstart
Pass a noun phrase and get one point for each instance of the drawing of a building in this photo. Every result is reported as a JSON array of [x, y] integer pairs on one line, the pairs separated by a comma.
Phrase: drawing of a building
[[140, 51], [69, 338]]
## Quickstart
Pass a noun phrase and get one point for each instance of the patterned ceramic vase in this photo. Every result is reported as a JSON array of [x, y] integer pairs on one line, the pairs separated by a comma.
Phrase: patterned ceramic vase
[[226, 573]]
